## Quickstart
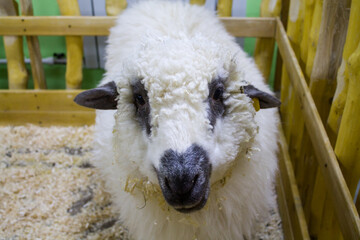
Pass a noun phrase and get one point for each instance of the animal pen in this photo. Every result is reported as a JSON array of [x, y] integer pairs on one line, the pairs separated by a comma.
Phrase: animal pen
[[319, 158]]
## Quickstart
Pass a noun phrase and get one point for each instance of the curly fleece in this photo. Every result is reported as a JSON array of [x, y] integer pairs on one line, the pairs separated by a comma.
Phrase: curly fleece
[[176, 50]]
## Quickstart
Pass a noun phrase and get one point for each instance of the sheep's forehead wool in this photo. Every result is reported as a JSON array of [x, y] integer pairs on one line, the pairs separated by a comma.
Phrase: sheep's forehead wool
[[179, 67], [176, 72]]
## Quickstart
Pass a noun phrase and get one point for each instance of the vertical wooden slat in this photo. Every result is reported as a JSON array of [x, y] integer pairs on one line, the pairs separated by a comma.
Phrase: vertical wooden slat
[[327, 60], [289, 109], [301, 148], [224, 8], [74, 47], [34, 50], [309, 10], [264, 48], [322, 86], [347, 146], [352, 39], [17, 74], [115, 7]]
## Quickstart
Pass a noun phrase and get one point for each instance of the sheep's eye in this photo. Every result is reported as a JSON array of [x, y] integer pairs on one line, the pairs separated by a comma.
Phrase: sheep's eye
[[142, 106], [218, 94], [140, 101]]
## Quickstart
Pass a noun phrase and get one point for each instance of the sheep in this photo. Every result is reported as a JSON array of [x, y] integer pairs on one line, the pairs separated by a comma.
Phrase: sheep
[[178, 140]]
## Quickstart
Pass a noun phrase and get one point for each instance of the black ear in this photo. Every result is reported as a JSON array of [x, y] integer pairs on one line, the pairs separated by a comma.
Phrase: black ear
[[102, 97], [265, 99]]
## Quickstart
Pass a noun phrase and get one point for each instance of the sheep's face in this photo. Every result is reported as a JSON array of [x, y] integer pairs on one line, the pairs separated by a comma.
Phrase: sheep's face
[[181, 120]]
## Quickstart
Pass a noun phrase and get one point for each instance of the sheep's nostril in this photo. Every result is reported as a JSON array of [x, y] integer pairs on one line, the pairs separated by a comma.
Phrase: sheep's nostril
[[194, 181], [167, 184]]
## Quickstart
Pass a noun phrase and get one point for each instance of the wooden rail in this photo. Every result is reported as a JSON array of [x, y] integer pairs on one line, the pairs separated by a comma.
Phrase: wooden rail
[[99, 26], [43, 107]]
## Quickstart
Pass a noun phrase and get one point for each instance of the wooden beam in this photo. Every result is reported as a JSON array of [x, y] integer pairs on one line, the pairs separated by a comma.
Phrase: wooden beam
[[99, 26], [345, 210], [289, 201], [43, 107], [250, 27], [51, 118]]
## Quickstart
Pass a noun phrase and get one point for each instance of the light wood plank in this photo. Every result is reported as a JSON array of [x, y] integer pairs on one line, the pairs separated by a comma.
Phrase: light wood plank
[[39, 100], [99, 26], [250, 27], [289, 200], [344, 207], [43, 107], [50, 118]]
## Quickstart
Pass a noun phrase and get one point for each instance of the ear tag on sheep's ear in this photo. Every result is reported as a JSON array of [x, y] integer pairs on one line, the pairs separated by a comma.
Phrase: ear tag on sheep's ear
[[261, 99], [256, 104], [102, 97]]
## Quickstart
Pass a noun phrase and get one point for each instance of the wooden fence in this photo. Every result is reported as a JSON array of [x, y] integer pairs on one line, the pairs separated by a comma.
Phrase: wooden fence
[[325, 37], [318, 174]]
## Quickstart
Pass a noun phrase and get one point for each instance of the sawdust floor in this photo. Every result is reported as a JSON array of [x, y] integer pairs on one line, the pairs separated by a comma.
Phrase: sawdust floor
[[49, 189]]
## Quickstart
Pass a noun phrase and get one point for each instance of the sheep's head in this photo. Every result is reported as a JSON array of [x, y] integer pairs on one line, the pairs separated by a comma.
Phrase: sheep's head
[[183, 117]]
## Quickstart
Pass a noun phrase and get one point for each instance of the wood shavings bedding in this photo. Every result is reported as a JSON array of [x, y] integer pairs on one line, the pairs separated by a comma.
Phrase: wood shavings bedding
[[50, 190]]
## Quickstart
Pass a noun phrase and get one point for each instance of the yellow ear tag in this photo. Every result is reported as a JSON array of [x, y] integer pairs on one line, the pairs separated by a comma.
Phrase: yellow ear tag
[[256, 104]]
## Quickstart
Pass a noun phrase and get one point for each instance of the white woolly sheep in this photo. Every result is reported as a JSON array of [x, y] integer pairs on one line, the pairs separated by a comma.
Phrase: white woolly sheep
[[180, 145]]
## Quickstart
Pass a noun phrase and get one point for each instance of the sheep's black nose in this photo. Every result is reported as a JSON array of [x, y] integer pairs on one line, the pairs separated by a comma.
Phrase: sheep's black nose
[[184, 178], [181, 185]]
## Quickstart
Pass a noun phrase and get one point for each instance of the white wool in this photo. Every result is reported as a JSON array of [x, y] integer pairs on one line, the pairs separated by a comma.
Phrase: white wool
[[176, 50]]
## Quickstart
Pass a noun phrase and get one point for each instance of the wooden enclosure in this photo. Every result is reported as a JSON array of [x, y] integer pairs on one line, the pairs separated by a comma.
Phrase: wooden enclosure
[[309, 176]]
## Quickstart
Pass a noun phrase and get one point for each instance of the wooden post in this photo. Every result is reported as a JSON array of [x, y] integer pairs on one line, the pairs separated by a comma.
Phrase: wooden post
[[34, 50], [264, 48], [17, 74], [313, 37], [309, 11], [198, 2], [74, 47], [347, 146], [284, 19], [352, 39], [299, 141], [327, 60], [115, 7], [224, 8], [289, 109]]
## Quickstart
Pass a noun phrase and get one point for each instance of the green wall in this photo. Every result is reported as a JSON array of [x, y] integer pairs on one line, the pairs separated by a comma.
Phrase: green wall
[[252, 10]]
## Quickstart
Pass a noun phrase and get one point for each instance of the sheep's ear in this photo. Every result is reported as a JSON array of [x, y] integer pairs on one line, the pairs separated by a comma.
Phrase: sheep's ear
[[264, 99], [102, 97]]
